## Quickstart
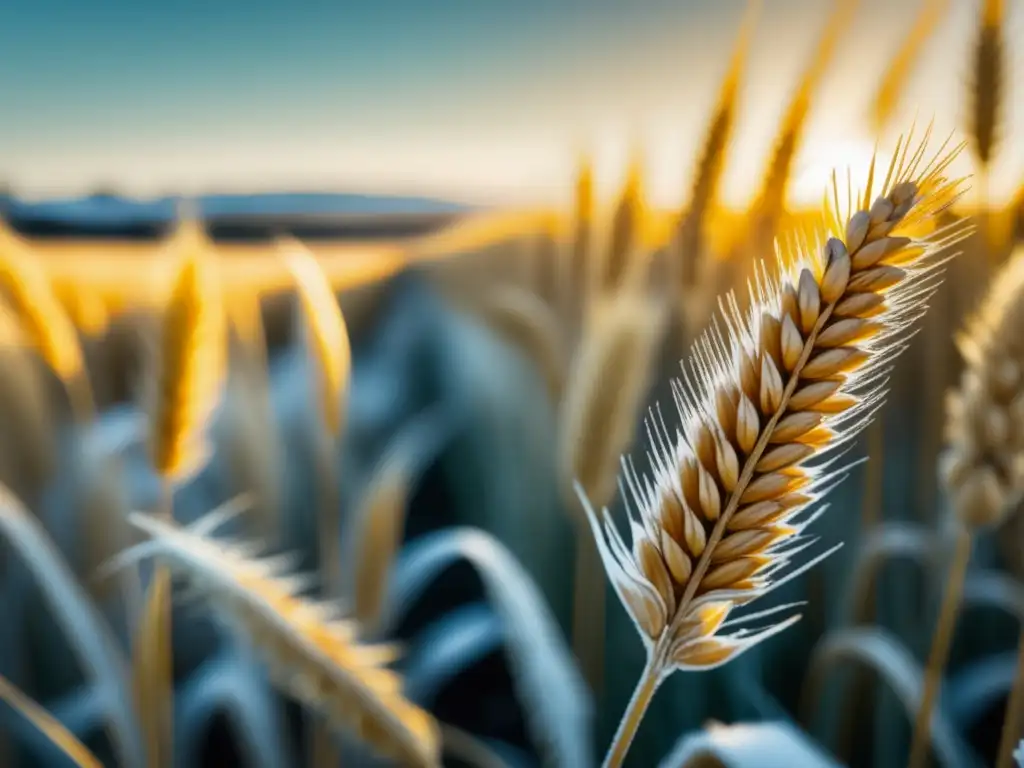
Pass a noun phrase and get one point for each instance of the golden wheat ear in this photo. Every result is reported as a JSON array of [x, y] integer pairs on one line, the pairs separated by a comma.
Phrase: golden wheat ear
[[983, 466], [768, 398], [311, 655]]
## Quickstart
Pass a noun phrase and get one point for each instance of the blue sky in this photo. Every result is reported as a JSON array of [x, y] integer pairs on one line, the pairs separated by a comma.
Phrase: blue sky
[[472, 99]]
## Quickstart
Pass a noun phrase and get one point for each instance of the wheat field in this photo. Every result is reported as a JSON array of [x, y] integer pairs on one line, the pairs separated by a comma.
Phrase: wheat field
[[472, 495]]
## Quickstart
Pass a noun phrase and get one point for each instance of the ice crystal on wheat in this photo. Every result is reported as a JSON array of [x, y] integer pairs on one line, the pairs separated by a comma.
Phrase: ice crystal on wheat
[[769, 396]]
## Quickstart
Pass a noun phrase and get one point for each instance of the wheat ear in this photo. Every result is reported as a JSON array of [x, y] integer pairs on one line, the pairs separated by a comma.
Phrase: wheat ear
[[188, 378], [986, 102], [610, 378], [328, 335], [619, 261], [771, 201], [762, 404], [311, 654], [987, 87], [190, 362], [710, 167], [44, 320], [983, 465]]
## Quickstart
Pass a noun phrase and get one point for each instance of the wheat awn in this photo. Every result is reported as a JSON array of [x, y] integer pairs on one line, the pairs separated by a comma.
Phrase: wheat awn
[[791, 382]]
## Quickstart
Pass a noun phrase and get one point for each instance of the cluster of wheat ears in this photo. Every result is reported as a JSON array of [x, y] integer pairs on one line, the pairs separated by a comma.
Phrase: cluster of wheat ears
[[772, 395]]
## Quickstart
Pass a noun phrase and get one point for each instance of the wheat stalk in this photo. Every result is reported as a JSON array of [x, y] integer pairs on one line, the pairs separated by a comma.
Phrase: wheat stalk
[[47, 724], [311, 654], [983, 465], [763, 403], [31, 295]]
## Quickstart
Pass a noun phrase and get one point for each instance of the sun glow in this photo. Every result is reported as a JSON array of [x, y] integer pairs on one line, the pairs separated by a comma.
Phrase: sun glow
[[849, 158]]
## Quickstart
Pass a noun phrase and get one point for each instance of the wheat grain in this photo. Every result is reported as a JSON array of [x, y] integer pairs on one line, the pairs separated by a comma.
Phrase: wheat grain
[[311, 654], [786, 385]]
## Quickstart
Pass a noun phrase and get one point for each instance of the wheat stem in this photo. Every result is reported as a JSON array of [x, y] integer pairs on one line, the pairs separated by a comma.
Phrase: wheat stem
[[649, 681], [588, 615], [83, 403], [941, 642], [1011, 721]]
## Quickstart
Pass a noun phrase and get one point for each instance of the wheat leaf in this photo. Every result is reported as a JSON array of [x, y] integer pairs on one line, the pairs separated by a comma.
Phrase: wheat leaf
[[48, 725], [754, 745], [90, 638], [879, 651], [448, 647], [235, 685], [375, 532], [554, 697]]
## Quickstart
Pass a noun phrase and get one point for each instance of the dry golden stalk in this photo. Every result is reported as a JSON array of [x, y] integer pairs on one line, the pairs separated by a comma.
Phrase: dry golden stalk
[[983, 466], [690, 235], [312, 654], [762, 404], [328, 335], [31, 295], [890, 90], [152, 673], [48, 725], [987, 87]]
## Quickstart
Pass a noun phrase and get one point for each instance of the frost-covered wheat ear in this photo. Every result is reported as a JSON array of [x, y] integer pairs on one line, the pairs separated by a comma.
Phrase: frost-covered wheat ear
[[311, 654], [768, 394]]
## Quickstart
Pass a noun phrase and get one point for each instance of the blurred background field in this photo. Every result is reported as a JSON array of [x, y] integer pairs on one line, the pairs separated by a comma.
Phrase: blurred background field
[[526, 214]]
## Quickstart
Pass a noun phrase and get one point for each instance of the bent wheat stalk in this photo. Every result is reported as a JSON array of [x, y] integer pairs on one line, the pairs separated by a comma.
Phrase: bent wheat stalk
[[983, 466], [311, 654], [762, 404]]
